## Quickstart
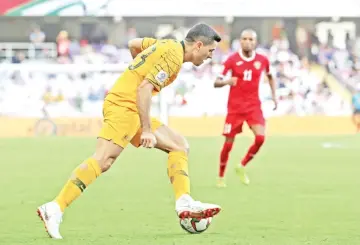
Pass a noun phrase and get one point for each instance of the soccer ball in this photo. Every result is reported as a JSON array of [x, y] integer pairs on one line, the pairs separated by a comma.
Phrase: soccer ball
[[194, 225]]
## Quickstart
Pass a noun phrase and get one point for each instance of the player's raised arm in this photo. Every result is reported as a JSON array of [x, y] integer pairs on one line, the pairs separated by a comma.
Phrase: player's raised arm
[[220, 80], [137, 45]]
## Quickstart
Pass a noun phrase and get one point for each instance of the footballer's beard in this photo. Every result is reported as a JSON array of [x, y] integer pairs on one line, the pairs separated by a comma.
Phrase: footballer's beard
[[199, 62], [248, 51]]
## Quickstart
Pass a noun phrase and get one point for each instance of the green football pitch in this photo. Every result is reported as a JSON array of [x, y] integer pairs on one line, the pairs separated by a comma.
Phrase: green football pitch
[[304, 190]]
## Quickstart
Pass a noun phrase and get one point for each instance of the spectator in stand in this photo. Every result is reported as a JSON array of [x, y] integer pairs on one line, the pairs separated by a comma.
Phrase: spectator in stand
[[48, 96], [74, 48], [102, 92], [59, 97], [303, 41], [63, 43], [18, 58], [96, 95], [109, 50], [78, 102], [37, 36], [93, 96], [356, 110], [131, 34]]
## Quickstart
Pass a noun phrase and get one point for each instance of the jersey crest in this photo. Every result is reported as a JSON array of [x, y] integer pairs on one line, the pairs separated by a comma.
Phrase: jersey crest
[[257, 65], [162, 76]]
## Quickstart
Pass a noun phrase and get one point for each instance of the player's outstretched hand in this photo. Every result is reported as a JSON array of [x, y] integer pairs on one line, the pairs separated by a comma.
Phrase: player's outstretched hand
[[275, 104], [148, 140]]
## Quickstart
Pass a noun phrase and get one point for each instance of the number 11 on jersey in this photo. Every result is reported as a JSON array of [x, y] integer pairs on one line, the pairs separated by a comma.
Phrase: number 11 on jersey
[[247, 75]]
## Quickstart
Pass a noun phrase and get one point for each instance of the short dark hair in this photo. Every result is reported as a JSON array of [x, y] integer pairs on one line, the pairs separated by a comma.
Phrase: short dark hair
[[249, 30], [204, 33]]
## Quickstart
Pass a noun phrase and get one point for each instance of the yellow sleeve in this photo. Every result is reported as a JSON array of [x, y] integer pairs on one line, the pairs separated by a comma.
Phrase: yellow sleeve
[[164, 70], [147, 42]]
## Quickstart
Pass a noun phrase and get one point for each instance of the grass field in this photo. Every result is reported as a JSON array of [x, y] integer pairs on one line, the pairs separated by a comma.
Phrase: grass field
[[300, 193]]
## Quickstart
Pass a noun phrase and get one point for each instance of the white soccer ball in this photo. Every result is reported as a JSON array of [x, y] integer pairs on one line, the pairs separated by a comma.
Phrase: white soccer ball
[[194, 225]]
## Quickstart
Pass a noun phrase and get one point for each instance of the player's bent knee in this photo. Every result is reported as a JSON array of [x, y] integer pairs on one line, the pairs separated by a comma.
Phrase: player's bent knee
[[106, 153], [180, 148], [259, 140], [229, 139], [105, 161], [186, 146], [170, 141], [106, 164]]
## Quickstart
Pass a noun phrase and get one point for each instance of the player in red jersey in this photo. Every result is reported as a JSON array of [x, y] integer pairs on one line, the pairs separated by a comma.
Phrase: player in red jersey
[[246, 67]]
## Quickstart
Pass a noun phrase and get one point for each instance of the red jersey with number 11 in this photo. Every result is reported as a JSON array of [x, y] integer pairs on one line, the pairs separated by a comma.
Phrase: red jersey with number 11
[[244, 96]]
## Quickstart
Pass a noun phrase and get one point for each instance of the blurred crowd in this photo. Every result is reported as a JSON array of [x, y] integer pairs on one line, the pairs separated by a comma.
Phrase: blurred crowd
[[73, 51], [344, 63], [301, 90]]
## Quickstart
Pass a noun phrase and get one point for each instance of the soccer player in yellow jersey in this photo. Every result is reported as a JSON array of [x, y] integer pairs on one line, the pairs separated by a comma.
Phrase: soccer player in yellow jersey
[[127, 120]]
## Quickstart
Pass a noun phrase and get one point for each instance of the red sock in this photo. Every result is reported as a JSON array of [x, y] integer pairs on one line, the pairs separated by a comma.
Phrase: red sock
[[224, 157], [259, 141]]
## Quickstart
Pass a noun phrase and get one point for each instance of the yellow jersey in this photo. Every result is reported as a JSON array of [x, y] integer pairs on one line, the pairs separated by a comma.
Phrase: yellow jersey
[[159, 63]]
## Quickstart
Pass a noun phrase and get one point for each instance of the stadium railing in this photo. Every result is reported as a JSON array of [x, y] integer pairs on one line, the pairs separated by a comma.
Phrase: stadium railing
[[30, 49]]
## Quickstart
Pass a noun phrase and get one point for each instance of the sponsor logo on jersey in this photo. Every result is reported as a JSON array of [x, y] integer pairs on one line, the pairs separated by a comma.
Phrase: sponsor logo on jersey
[[239, 63]]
